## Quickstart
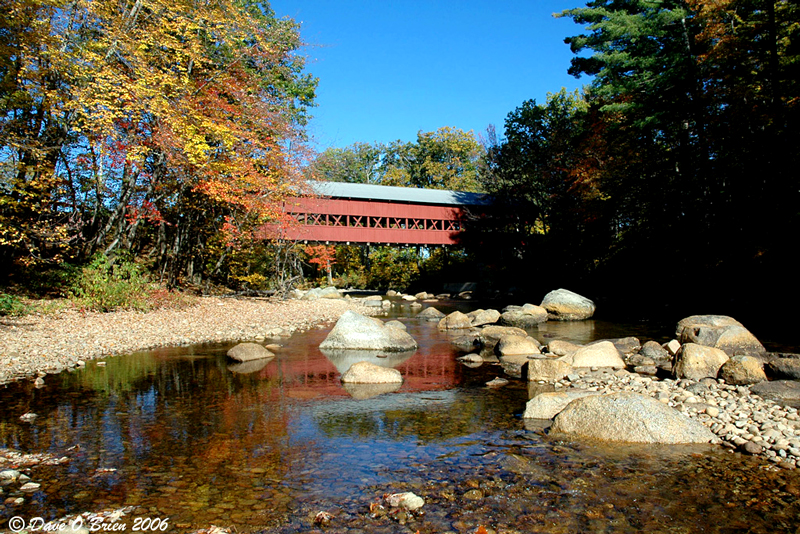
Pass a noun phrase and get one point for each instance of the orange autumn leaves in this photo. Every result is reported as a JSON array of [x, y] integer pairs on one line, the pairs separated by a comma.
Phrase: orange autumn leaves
[[114, 109]]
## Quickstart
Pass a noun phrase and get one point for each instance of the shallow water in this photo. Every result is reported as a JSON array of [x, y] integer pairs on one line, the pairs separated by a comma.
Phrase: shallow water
[[184, 436]]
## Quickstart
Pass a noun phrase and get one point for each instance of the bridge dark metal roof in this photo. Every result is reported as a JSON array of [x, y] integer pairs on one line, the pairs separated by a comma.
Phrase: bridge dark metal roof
[[390, 193]]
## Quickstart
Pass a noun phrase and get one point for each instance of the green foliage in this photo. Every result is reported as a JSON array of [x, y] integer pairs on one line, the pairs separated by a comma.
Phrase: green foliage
[[106, 285], [393, 268], [12, 305]]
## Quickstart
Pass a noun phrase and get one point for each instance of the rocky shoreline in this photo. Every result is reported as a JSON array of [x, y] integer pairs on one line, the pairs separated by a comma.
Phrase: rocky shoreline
[[36, 345]]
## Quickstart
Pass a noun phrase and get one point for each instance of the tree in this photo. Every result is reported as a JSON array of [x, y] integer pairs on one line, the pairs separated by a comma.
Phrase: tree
[[148, 126], [358, 163]]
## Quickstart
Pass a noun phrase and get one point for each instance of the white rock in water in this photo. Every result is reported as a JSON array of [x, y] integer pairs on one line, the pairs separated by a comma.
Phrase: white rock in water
[[406, 500]]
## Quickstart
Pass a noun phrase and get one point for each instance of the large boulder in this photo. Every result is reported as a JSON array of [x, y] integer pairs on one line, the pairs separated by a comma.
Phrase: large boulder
[[602, 354], [721, 332], [742, 371], [564, 305], [654, 351], [369, 373], [356, 332], [695, 361], [629, 417], [455, 321], [547, 370], [245, 352], [549, 404]]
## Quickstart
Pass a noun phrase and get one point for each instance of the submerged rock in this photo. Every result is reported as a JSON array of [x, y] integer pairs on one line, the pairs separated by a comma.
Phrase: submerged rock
[[629, 417]]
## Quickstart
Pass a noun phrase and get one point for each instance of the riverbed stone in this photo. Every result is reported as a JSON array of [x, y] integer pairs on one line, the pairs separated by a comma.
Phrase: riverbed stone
[[629, 417], [626, 345], [526, 316], [485, 317], [547, 369], [781, 391], [369, 373], [430, 314], [654, 351], [721, 332], [561, 347], [245, 352], [491, 334], [783, 368], [742, 370], [695, 361], [564, 305], [602, 354], [549, 404], [514, 364], [466, 343], [455, 321], [512, 344], [357, 332]]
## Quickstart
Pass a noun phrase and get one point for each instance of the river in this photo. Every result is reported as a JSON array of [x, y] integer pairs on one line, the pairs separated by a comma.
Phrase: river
[[192, 441]]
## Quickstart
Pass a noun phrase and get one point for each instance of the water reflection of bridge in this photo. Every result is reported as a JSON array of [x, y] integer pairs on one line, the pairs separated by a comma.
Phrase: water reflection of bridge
[[311, 374]]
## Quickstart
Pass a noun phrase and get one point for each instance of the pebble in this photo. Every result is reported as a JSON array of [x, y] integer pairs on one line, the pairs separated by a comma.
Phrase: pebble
[[38, 344], [742, 420]]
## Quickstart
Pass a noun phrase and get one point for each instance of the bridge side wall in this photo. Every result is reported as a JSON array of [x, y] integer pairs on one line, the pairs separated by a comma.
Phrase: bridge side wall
[[358, 221]]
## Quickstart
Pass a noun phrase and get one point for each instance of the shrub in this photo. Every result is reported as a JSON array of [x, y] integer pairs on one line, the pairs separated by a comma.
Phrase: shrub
[[104, 285], [12, 305]]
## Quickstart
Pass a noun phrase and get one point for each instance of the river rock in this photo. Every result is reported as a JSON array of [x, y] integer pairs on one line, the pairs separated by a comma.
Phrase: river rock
[[561, 347], [526, 316], [245, 352], [629, 417], [369, 373], [9, 476], [602, 354], [355, 331], [329, 292], [721, 332], [626, 345], [549, 404], [512, 344], [780, 391], [485, 317], [654, 351], [547, 370], [396, 324], [784, 368], [490, 335], [695, 361], [564, 305], [742, 371], [514, 364], [455, 321], [430, 314], [466, 343], [407, 501]]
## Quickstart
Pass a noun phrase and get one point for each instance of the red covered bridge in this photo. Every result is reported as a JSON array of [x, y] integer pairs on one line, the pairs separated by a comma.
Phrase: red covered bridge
[[366, 213]]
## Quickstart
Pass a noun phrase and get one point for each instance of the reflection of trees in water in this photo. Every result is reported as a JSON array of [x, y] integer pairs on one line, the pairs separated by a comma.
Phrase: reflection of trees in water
[[157, 421], [428, 419]]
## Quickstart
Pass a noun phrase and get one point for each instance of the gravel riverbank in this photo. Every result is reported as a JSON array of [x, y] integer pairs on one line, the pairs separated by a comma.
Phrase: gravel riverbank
[[51, 343]]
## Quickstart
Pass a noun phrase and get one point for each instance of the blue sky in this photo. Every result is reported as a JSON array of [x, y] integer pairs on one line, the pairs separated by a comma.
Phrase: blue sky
[[388, 69]]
